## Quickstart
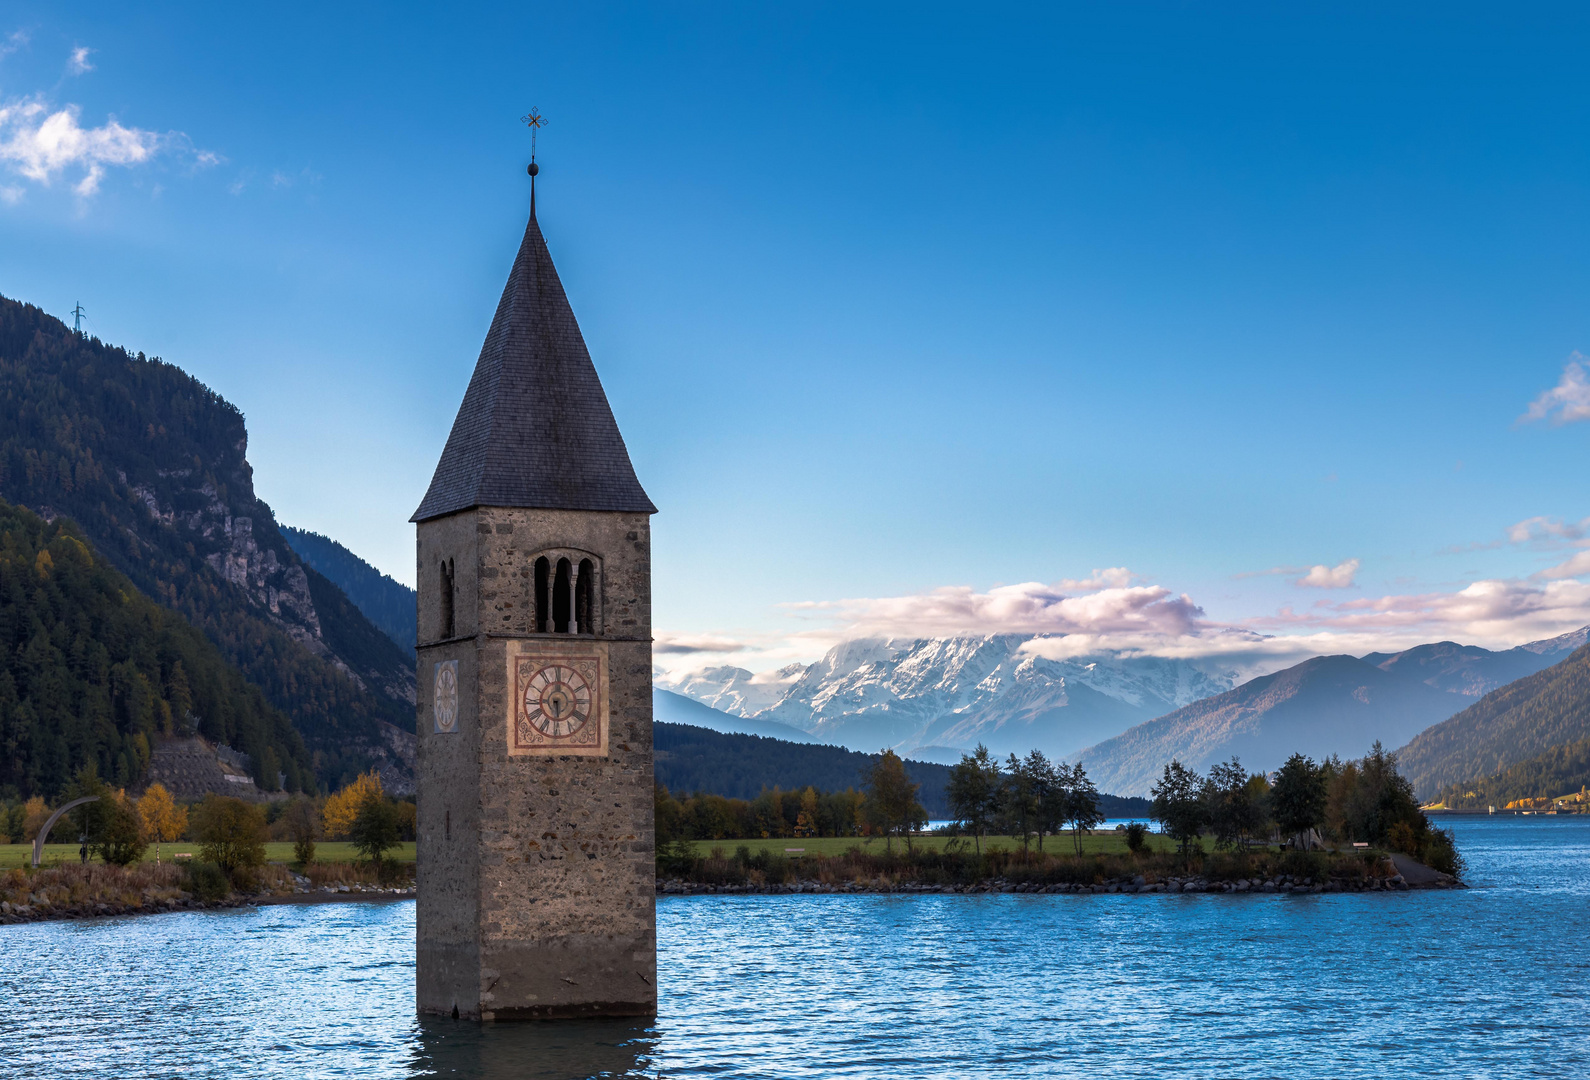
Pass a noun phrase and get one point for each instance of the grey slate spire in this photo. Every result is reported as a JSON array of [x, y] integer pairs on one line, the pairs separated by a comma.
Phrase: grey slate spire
[[535, 429]]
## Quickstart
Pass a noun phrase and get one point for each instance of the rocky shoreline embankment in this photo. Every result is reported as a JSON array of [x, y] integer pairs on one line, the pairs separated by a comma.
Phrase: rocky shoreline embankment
[[44, 910], [1138, 884]]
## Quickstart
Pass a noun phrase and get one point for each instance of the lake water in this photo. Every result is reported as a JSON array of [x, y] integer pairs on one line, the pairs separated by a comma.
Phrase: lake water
[[1493, 981]]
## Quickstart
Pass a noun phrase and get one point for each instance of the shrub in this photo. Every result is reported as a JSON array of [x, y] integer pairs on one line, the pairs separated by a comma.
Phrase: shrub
[[300, 821], [1304, 864], [374, 829], [675, 856], [121, 841], [1136, 837], [1440, 852], [231, 833], [208, 882]]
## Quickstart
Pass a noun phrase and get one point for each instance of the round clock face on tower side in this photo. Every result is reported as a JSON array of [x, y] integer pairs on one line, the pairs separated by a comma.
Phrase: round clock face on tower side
[[445, 696], [557, 701]]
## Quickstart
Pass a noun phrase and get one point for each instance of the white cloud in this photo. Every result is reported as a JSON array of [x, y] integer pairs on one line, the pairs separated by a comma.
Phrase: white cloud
[[1028, 608], [1569, 400], [1577, 566], [41, 143], [1339, 576], [1117, 577], [1491, 612], [1151, 620], [77, 63], [1547, 528], [14, 41], [688, 644]]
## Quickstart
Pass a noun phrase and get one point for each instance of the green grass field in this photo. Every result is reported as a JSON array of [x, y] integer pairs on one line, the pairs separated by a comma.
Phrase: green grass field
[[331, 851], [1099, 843]]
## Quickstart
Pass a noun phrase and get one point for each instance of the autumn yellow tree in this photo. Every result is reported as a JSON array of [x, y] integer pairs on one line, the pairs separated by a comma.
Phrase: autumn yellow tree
[[35, 812], [342, 809], [806, 821], [163, 820]]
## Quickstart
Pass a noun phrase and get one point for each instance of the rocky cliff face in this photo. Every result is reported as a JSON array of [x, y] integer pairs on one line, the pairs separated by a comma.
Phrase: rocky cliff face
[[264, 567], [153, 467]]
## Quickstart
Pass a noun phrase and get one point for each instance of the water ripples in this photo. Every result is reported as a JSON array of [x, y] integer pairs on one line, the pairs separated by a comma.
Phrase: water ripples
[[1490, 981]]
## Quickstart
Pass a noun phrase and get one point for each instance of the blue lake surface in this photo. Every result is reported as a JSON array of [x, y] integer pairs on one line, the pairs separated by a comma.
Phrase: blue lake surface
[[1493, 981]]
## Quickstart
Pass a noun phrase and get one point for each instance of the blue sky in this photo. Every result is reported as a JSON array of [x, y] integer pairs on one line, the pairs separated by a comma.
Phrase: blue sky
[[914, 317]]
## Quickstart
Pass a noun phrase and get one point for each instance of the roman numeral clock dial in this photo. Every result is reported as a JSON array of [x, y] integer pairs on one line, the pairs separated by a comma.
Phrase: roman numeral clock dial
[[557, 700]]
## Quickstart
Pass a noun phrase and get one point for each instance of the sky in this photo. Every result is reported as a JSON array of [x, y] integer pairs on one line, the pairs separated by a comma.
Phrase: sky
[[1247, 332]]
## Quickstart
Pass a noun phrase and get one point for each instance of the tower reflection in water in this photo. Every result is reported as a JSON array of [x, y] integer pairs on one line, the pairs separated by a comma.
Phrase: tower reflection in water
[[533, 1050]]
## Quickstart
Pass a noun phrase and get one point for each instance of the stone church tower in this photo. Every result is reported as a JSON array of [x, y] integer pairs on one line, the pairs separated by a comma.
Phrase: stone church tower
[[536, 880]]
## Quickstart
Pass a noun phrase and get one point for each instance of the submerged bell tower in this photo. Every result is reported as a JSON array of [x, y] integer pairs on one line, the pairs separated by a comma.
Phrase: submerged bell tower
[[536, 875]]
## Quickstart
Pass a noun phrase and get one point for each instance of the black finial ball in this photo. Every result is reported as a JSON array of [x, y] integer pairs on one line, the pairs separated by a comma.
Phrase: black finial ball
[[533, 169]]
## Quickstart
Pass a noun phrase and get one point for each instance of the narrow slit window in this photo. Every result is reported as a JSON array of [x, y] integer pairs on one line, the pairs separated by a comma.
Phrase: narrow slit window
[[446, 599]]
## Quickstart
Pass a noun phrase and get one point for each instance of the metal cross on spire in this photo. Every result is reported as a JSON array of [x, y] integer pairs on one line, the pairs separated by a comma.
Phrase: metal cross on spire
[[535, 122]]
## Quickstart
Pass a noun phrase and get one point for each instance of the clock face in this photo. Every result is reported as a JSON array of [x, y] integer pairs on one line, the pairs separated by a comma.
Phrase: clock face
[[557, 701], [444, 699]]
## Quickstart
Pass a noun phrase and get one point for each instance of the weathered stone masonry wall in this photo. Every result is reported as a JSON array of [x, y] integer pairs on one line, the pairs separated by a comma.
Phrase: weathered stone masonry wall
[[561, 847]]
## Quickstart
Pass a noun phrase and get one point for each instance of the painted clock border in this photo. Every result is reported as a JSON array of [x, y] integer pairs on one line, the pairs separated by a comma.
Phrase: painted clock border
[[525, 660]]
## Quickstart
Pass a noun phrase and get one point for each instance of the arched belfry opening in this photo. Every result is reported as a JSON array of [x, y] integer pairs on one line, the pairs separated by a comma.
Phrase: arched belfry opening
[[584, 607], [541, 622], [560, 599]]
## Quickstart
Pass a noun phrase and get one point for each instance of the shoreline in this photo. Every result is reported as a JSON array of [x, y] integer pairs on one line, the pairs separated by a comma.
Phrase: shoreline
[[26, 914], [1138, 885]]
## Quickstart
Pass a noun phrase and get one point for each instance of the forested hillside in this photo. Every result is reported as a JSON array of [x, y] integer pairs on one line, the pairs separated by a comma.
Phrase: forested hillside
[[1562, 770], [692, 759], [1515, 724], [386, 603], [93, 671], [151, 466]]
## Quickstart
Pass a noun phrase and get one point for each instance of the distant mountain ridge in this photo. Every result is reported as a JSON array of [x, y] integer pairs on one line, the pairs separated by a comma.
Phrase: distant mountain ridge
[[152, 466], [1323, 706], [389, 604], [1326, 705], [671, 708], [956, 692], [937, 697]]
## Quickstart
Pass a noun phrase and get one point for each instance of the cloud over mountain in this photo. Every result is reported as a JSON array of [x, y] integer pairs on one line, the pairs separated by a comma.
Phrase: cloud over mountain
[[1103, 604]]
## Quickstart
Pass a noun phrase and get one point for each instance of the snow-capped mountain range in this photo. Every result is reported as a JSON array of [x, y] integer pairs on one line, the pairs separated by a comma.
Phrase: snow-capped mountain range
[[933, 697]]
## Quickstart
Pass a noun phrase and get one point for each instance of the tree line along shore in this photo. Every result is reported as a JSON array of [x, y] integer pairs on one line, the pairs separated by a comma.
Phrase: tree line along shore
[[1307, 827], [151, 853], [1323, 826]]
